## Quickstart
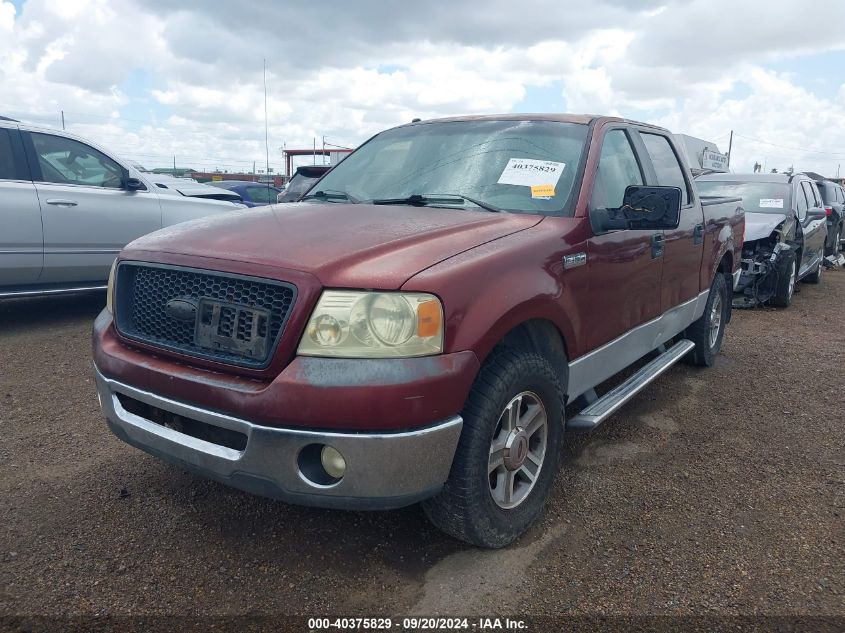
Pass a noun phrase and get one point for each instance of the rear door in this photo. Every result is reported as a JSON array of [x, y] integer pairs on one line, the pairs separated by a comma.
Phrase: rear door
[[21, 240], [88, 217], [683, 246], [625, 266]]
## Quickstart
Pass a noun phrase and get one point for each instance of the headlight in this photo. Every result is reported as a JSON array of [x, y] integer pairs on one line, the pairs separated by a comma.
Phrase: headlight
[[110, 290], [355, 324]]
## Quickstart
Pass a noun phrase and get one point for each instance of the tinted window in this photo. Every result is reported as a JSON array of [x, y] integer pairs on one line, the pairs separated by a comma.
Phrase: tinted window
[[264, 195], [805, 200], [494, 162], [816, 198], [669, 171], [757, 197], [618, 168], [68, 162], [7, 162]]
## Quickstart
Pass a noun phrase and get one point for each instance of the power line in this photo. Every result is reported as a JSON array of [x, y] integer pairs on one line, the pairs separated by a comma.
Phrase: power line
[[797, 149]]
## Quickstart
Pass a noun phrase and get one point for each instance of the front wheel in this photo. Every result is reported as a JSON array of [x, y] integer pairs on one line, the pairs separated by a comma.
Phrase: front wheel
[[507, 455], [707, 332], [786, 272]]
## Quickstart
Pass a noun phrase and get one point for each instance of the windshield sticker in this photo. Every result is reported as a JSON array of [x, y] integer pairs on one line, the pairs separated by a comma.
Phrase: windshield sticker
[[771, 203], [544, 192], [527, 172]]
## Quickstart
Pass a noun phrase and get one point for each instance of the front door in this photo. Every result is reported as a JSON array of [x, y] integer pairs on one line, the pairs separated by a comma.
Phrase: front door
[[625, 267], [88, 216], [815, 230], [684, 245]]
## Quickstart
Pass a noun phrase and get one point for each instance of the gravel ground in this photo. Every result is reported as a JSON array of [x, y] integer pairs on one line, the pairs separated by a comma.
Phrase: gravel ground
[[715, 492]]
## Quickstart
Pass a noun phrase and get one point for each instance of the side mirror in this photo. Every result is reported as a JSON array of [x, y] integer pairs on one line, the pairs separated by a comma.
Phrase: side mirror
[[816, 214], [133, 184], [642, 207]]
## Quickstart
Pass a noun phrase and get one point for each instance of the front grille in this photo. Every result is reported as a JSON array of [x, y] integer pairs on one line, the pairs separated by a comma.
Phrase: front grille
[[227, 318]]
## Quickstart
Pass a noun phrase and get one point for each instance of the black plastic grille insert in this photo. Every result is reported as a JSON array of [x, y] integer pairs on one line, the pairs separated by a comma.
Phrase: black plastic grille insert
[[248, 310]]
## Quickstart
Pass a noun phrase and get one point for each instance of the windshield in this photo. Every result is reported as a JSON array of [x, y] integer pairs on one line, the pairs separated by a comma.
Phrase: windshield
[[757, 197], [518, 166], [298, 185]]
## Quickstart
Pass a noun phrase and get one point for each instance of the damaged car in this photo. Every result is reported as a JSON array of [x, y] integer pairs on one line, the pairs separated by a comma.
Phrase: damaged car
[[785, 233]]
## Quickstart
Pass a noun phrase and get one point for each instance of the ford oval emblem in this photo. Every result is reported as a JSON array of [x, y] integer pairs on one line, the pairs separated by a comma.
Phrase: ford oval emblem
[[181, 309]]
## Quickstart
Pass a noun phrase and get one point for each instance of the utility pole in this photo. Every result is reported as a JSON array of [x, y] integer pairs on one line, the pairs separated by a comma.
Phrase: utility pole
[[324, 149], [63, 119], [730, 147], [174, 164], [315, 150]]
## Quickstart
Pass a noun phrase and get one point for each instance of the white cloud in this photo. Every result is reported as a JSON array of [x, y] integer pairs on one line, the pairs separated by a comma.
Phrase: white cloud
[[347, 73]]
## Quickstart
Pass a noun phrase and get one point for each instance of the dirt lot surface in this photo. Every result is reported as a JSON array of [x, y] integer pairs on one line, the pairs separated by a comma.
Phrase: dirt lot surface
[[716, 491]]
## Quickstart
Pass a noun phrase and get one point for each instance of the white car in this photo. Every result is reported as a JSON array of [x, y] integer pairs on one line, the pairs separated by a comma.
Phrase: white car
[[69, 206]]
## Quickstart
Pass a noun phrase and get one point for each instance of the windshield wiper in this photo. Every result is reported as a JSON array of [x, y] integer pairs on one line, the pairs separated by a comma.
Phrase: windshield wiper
[[419, 200], [330, 194]]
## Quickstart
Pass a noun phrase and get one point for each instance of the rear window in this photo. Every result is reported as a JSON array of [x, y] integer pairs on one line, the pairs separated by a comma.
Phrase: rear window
[[757, 197]]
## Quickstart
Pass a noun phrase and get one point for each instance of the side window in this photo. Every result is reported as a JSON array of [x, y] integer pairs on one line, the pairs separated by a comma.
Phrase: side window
[[261, 194], [618, 168], [7, 161], [803, 200], [666, 164], [69, 162], [816, 195]]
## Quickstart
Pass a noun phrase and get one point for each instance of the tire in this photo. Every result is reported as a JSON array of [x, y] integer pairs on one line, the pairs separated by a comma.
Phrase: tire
[[709, 330], [787, 271], [467, 507], [815, 276]]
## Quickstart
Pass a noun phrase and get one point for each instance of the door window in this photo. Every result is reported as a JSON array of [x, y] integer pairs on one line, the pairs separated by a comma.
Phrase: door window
[[817, 199], [7, 161], [265, 195], [69, 162], [666, 164], [804, 199], [618, 169]]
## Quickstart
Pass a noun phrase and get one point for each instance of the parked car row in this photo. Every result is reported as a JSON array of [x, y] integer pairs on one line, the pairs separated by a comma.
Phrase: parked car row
[[414, 329], [786, 232]]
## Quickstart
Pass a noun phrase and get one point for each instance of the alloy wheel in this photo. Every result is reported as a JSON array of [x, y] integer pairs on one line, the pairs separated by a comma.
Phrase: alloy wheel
[[517, 450]]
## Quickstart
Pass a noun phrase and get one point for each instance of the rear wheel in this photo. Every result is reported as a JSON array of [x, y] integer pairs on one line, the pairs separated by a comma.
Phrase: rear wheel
[[507, 455], [785, 284], [707, 332]]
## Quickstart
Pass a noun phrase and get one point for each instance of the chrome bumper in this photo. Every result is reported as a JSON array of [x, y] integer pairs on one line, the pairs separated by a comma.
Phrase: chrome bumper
[[383, 470]]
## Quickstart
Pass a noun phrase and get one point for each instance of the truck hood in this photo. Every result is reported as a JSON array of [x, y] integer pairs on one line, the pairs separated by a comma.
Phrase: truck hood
[[760, 225], [343, 245]]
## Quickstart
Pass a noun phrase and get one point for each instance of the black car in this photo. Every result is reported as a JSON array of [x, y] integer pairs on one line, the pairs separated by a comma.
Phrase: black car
[[834, 205], [785, 233], [302, 181]]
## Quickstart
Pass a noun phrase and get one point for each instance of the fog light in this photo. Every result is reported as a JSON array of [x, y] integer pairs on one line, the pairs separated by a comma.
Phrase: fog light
[[333, 462]]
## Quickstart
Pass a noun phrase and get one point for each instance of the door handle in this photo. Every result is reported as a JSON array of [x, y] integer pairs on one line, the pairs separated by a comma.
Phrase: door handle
[[698, 234], [657, 245], [59, 202]]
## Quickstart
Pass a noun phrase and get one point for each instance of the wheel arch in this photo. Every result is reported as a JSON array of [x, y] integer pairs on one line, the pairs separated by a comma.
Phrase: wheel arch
[[543, 337]]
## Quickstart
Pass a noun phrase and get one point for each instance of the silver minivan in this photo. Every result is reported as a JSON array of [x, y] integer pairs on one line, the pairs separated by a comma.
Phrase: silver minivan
[[67, 208]]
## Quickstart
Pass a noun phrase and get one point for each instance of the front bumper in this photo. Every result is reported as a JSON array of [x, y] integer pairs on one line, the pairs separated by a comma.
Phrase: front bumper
[[384, 470]]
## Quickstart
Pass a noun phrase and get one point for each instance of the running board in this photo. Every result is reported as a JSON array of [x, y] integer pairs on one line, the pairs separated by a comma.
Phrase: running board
[[608, 404]]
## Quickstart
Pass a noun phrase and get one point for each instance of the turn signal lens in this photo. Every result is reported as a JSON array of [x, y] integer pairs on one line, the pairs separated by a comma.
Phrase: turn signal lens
[[429, 318]]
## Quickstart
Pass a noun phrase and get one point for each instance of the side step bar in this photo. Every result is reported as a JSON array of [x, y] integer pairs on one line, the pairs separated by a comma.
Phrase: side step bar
[[608, 404]]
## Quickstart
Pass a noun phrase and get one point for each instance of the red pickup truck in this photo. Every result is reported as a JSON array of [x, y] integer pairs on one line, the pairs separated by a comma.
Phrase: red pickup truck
[[413, 329]]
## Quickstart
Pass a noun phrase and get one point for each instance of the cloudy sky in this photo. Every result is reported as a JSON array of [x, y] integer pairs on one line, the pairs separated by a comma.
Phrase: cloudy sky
[[150, 79]]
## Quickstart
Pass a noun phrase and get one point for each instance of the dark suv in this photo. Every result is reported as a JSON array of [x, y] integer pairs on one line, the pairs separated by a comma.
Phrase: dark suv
[[833, 196]]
